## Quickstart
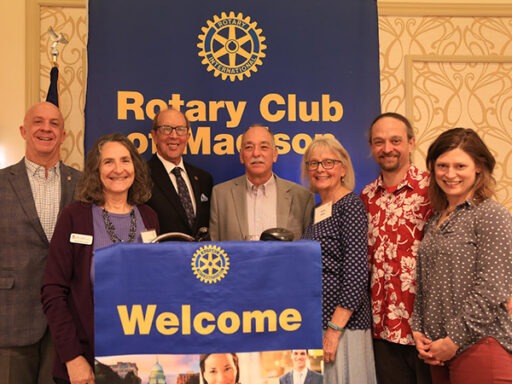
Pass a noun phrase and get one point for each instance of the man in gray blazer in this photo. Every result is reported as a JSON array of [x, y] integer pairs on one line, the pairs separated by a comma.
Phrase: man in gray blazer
[[245, 206], [300, 373], [32, 192]]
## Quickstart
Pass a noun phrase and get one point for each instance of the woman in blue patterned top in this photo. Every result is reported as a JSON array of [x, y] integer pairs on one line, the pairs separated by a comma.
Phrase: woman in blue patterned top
[[461, 325], [341, 226]]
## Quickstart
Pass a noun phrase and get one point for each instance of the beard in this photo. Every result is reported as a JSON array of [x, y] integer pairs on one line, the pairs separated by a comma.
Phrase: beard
[[389, 163]]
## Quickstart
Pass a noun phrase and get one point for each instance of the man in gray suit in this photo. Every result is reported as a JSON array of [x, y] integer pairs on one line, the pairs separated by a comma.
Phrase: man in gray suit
[[245, 206], [32, 193], [300, 373]]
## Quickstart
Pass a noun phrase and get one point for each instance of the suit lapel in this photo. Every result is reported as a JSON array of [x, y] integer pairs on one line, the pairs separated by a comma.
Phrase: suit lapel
[[238, 195], [284, 202], [194, 181], [22, 189], [163, 181], [67, 186]]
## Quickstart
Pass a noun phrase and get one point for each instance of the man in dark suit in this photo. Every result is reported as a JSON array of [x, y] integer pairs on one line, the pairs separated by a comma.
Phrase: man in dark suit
[[182, 205], [32, 192], [300, 373], [243, 207]]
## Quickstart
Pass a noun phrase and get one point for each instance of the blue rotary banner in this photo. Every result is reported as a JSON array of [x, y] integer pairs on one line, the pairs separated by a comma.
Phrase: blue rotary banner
[[191, 298], [302, 68]]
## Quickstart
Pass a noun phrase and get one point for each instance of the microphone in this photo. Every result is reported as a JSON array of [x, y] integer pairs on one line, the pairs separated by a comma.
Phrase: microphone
[[202, 234], [279, 234]]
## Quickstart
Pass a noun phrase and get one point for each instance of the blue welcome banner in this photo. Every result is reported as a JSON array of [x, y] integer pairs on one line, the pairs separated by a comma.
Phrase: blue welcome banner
[[303, 68], [191, 298]]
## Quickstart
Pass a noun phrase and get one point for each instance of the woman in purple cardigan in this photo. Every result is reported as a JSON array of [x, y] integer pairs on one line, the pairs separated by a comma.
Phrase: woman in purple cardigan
[[109, 210]]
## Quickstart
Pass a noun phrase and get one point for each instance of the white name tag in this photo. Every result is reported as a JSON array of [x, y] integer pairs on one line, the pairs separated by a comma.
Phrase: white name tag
[[78, 238], [323, 212], [148, 236]]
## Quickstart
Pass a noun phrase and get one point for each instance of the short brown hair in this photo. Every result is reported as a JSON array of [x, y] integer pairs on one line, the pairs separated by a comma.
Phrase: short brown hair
[[90, 188], [396, 116]]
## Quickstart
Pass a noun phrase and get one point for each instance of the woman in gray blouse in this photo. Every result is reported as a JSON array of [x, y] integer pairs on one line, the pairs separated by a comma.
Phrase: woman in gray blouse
[[461, 324]]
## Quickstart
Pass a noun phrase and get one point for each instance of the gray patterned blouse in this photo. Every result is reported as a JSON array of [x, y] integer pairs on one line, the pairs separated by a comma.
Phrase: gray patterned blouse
[[465, 276]]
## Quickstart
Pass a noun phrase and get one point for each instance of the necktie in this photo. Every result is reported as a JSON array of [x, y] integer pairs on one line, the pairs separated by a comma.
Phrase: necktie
[[184, 196]]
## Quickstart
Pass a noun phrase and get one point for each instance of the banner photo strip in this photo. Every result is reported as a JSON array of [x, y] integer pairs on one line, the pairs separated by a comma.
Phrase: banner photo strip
[[304, 69], [205, 298]]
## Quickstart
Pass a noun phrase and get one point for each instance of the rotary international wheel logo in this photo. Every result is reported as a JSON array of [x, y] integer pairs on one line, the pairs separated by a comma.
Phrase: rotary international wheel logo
[[231, 46], [210, 264]]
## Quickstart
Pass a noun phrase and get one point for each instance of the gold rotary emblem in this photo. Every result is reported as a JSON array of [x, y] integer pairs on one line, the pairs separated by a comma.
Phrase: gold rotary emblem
[[231, 46], [210, 264]]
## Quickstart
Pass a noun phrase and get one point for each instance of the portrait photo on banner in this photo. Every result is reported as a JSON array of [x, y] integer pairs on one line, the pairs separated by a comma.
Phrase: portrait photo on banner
[[179, 308], [246, 367]]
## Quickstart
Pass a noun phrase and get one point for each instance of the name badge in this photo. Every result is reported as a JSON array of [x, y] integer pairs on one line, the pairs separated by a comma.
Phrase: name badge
[[323, 212], [148, 236], [78, 238]]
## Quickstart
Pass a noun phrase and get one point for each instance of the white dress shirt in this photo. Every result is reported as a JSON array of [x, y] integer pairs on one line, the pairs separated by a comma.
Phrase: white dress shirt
[[261, 206], [299, 376], [169, 167]]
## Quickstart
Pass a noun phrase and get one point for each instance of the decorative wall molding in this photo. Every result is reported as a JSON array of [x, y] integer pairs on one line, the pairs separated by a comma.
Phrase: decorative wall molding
[[33, 41], [443, 72], [70, 18], [446, 9]]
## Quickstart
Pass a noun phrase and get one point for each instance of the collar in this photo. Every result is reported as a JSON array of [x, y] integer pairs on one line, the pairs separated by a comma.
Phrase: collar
[[169, 166], [468, 204], [33, 168], [270, 183], [408, 181]]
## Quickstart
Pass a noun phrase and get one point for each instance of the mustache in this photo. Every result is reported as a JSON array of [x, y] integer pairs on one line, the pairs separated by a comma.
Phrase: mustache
[[389, 155], [256, 160]]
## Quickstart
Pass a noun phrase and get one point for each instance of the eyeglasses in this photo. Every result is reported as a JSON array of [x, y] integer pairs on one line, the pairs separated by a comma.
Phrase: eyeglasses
[[326, 164], [167, 130]]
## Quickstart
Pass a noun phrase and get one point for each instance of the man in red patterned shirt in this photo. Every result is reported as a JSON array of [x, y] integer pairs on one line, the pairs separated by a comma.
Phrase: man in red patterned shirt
[[398, 207]]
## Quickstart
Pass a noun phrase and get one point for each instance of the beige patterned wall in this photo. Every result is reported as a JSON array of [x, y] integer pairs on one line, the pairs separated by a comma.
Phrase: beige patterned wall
[[452, 68], [72, 75], [68, 17], [447, 71]]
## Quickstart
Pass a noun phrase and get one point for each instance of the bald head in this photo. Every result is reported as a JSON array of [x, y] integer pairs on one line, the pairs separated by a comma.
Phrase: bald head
[[44, 108]]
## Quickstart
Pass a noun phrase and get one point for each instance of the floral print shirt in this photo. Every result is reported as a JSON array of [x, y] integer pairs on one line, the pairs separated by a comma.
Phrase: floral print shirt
[[396, 220]]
